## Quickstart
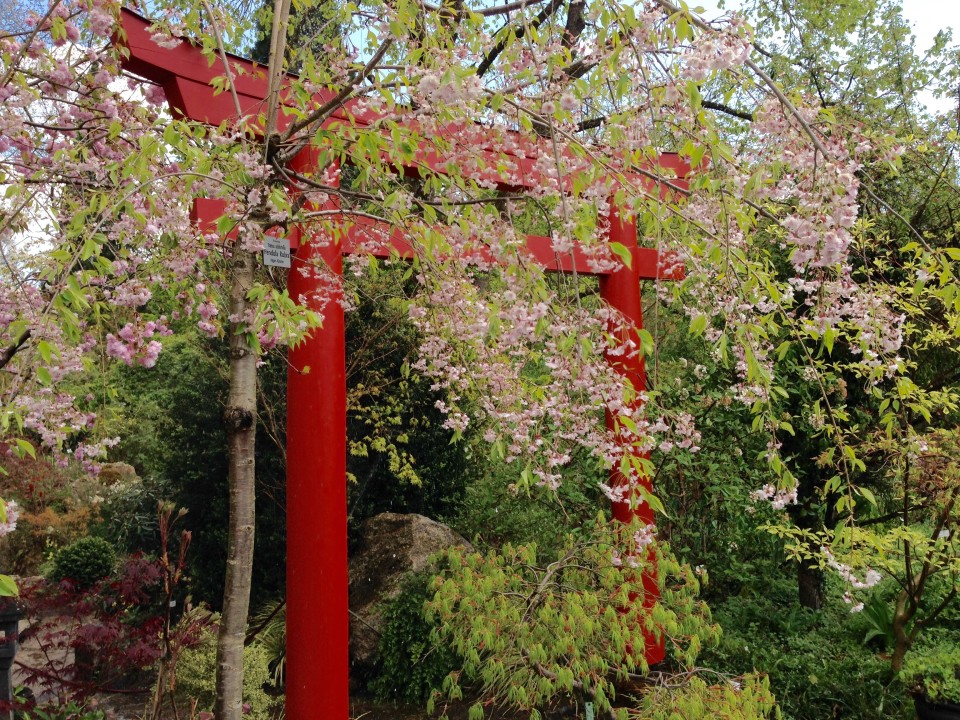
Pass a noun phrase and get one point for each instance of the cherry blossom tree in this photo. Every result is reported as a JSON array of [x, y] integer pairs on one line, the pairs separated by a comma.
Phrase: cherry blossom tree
[[99, 179]]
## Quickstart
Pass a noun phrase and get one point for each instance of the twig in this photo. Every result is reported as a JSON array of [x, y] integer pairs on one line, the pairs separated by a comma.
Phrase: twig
[[332, 104], [886, 206], [278, 47], [490, 11], [768, 81], [720, 107], [6, 355], [223, 57]]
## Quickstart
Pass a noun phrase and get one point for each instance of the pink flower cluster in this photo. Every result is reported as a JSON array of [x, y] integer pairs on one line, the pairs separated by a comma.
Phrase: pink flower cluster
[[482, 345], [12, 511], [777, 497], [642, 539], [726, 48], [870, 579], [132, 342]]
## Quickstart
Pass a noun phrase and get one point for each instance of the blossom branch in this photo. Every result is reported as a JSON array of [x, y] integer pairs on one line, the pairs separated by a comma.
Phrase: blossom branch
[[518, 33], [14, 65], [490, 11], [759, 72], [328, 107]]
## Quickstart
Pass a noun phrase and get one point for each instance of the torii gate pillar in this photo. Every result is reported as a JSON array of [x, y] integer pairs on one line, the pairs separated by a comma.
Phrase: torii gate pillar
[[318, 628], [621, 290]]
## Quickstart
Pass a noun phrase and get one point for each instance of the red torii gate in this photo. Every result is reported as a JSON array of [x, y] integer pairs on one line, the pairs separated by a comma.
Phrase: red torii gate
[[317, 576]]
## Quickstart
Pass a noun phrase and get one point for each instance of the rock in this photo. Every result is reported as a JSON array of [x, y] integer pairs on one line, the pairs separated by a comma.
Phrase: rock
[[118, 473], [391, 545]]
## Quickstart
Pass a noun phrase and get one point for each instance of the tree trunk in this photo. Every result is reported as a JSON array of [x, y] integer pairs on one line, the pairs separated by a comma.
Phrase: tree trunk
[[810, 581], [902, 614], [806, 515], [240, 420]]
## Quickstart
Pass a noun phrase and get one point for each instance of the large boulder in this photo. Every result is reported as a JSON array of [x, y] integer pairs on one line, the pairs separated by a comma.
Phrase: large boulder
[[118, 474], [390, 546]]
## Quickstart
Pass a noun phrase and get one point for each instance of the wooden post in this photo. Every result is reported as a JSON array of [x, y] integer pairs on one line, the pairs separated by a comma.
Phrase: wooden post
[[621, 290], [317, 577]]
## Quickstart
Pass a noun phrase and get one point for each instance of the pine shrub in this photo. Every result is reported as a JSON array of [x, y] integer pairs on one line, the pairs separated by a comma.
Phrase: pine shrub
[[84, 561]]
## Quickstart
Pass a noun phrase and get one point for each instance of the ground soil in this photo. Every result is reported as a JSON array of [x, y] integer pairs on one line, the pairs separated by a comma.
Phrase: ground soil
[[369, 710], [130, 707]]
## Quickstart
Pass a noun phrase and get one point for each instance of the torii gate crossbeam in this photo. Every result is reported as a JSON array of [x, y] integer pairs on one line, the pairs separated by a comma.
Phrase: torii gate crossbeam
[[317, 574]]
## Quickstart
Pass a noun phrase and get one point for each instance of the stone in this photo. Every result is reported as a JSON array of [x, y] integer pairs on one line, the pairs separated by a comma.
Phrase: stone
[[118, 474], [390, 546]]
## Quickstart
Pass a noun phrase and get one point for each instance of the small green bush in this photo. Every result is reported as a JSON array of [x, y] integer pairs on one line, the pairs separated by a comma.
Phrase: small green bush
[[84, 561], [817, 662], [70, 711], [934, 672], [412, 664], [196, 671]]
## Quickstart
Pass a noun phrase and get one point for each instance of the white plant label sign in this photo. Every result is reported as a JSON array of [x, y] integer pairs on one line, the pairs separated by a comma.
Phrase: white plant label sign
[[276, 251]]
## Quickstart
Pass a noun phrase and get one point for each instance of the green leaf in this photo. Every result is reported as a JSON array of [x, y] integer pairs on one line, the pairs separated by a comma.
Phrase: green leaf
[[652, 500], [622, 252], [647, 346], [26, 448], [170, 135], [828, 337], [225, 225], [698, 325], [45, 350], [8, 587]]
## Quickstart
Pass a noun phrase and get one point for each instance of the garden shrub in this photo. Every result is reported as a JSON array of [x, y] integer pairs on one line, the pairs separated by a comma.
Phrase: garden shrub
[[70, 711], [84, 561], [933, 671], [41, 533], [817, 662], [412, 663], [106, 636], [534, 633], [127, 517], [57, 506], [696, 699], [196, 672]]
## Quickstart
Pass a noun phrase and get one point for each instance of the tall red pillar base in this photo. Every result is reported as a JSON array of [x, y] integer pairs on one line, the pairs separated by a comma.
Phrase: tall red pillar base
[[318, 625], [621, 290]]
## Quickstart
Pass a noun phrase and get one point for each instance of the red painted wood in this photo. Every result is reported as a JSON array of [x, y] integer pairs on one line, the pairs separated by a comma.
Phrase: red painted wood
[[318, 619], [621, 290], [501, 158], [364, 235]]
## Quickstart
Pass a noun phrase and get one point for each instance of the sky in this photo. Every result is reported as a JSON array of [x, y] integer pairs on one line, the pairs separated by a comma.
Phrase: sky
[[926, 17]]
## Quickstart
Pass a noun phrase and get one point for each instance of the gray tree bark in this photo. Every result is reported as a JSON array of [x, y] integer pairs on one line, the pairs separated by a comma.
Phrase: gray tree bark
[[240, 420]]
